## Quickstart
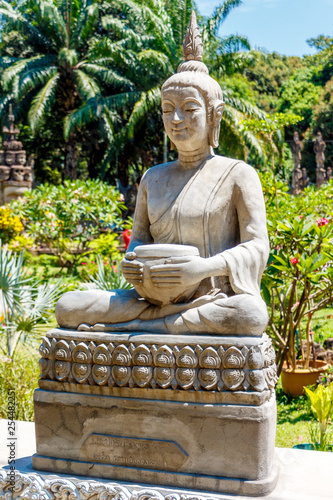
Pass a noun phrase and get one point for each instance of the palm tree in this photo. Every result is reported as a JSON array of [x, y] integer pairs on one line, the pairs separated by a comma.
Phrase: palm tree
[[100, 65], [73, 62], [165, 24]]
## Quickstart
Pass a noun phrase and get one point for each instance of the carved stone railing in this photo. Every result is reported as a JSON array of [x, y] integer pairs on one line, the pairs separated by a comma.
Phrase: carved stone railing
[[208, 366]]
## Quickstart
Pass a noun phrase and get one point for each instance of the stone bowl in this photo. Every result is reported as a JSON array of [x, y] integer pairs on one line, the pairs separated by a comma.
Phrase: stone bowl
[[152, 255]]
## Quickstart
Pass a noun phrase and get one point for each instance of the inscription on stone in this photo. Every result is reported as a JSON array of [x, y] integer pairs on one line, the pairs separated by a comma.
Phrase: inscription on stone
[[134, 452]]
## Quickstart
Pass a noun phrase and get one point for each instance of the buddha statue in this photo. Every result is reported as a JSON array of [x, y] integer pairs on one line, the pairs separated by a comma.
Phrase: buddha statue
[[202, 200]]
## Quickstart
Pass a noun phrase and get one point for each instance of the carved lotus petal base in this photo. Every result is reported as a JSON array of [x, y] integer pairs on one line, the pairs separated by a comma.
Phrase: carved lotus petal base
[[183, 364]]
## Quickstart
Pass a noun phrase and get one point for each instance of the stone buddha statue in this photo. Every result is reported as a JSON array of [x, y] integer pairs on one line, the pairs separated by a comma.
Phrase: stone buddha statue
[[203, 200]]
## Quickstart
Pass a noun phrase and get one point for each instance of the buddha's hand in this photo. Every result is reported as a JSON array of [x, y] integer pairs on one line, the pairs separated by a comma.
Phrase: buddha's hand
[[132, 269], [180, 271]]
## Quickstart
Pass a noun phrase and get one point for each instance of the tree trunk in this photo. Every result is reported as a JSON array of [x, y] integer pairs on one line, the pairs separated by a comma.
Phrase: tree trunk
[[70, 171]]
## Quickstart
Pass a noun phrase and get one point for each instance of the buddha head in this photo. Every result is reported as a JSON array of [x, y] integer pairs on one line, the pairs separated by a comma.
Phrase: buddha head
[[21, 158], [10, 158], [192, 102]]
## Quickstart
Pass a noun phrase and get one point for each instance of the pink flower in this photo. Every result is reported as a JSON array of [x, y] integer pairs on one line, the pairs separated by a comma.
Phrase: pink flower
[[300, 216], [84, 263], [294, 261], [322, 222]]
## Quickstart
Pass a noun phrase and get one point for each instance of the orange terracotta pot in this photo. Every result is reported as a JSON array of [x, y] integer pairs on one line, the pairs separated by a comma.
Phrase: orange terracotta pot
[[294, 381]]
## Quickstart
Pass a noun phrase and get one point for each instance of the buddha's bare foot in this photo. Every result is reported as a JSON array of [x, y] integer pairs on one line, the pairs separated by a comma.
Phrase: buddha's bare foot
[[84, 327], [110, 327]]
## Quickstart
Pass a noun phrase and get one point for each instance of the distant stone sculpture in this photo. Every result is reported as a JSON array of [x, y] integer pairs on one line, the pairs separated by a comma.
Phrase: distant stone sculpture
[[15, 176], [190, 331], [305, 179], [319, 147], [299, 177]]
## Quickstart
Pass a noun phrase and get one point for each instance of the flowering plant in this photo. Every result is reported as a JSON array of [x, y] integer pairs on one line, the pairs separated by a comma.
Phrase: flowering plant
[[68, 218], [10, 225], [299, 278]]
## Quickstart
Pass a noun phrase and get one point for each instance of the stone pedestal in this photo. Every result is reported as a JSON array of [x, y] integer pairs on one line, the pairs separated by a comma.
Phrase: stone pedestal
[[185, 411]]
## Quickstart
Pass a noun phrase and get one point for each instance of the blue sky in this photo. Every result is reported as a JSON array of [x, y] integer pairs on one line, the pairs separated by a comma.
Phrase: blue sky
[[282, 26]]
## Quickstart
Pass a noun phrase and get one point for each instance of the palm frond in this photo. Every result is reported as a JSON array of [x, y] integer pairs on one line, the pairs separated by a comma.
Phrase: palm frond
[[233, 43], [243, 106], [32, 79], [121, 30], [43, 102], [109, 119], [149, 100], [12, 280], [93, 110], [18, 20], [48, 12], [24, 65], [107, 75], [4, 103], [7, 61], [219, 15], [156, 60], [106, 279], [157, 23], [86, 21], [87, 87]]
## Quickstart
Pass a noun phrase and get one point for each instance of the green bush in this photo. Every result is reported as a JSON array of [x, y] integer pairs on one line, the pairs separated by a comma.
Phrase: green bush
[[66, 219], [298, 280], [21, 375]]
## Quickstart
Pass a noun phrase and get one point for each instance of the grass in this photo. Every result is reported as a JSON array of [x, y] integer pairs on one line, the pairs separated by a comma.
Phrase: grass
[[293, 419], [322, 324], [21, 374]]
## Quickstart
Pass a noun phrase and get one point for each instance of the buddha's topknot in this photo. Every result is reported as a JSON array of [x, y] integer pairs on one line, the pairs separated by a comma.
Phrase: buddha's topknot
[[194, 73]]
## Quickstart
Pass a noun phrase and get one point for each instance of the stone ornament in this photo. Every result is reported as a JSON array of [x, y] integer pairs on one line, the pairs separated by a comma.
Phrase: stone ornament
[[35, 487], [160, 366], [323, 175], [15, 174]]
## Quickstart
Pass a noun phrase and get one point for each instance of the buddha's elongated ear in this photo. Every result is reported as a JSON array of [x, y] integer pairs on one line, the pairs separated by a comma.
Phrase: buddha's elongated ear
[[214, 131]]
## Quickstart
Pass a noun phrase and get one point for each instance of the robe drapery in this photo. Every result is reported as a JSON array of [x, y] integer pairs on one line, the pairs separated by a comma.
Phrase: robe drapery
[[219, 208]]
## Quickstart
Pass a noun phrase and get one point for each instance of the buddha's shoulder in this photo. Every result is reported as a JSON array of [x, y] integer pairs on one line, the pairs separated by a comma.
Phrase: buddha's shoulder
[[239, 170], [158, 172]]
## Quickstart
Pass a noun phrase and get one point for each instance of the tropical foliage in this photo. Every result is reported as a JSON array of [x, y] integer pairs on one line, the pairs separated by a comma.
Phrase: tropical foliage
[[69, 220], [86, 75], [321, 400], [25, 304], [298, 280]]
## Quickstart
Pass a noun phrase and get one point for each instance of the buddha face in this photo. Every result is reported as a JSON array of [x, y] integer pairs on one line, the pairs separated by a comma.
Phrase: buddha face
[[21, 159], [185, 117], [10, 158]]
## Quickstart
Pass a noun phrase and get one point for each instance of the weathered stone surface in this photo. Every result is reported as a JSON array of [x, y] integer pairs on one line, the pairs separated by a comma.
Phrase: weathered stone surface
[[300, 473], [134, 452], [200, 363], [190, 403], [203, 218], [15, 175], [213, 442]]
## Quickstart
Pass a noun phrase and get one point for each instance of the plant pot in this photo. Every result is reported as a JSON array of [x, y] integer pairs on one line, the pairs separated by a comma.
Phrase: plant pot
[[294, 381], [309, 446]]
